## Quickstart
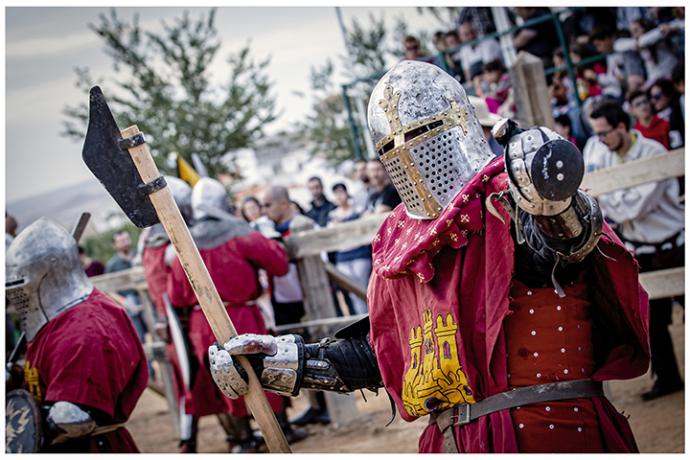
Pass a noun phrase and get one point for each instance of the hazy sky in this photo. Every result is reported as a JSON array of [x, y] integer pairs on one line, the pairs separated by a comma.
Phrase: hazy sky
[[44, 45]]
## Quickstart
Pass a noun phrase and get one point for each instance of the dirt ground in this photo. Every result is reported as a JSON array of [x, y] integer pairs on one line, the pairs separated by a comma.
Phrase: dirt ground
[[658, 425]]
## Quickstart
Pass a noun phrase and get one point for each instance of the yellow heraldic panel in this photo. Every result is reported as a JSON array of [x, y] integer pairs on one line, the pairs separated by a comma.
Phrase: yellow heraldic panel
[[434, 379], [32, 381]]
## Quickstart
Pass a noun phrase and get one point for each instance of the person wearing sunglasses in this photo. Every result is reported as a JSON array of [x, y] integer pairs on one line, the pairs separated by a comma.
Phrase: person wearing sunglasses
[[647, 123], [664, 99]]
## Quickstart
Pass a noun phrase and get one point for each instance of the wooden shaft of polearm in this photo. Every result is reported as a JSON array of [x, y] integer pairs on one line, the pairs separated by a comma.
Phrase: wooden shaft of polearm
[[203, 287]]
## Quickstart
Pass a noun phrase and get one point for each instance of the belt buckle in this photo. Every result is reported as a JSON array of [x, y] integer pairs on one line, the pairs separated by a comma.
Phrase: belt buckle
[[461, 415]]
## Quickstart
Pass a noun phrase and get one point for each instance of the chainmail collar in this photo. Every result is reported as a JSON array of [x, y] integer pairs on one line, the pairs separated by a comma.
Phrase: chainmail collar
[[209, 233]]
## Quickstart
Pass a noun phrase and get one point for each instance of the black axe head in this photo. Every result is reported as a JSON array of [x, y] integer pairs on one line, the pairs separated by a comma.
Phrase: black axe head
[[112, 165]]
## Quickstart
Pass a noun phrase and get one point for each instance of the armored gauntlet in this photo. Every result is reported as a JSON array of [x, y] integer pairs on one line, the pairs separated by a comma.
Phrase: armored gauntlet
[[285, 364]]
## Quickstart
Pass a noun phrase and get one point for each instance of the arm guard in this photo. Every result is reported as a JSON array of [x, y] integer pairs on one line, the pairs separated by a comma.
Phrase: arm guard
[[341, 365], [66, 420]]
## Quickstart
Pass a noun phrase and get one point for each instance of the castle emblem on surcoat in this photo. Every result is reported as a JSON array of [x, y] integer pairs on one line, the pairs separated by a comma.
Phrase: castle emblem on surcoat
[[434, 379]]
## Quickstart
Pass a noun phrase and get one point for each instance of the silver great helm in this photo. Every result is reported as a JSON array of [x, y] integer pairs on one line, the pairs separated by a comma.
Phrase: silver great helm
[[209, 199], [427, 136], [44, 275]]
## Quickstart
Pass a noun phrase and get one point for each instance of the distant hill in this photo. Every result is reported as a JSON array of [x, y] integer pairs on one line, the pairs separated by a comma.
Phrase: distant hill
[[64, 205]]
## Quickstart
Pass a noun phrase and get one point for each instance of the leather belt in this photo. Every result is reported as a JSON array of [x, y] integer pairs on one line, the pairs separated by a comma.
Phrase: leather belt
[[463, 414]]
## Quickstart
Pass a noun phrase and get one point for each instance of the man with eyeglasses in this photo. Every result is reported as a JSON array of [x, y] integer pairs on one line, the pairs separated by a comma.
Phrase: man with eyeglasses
[[650, 221], [647, 123]]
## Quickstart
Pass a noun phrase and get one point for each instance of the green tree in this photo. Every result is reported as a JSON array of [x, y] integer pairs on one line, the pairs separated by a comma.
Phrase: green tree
[[162, 84], [374, 47], [326, 126]]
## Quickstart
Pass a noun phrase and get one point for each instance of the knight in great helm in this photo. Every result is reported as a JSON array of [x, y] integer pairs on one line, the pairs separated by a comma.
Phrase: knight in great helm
[[76, 336], [500, 300]]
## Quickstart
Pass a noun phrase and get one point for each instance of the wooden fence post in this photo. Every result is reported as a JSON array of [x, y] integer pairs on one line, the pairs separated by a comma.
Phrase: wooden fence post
[[318, 303], [159, 354], [530, 92]]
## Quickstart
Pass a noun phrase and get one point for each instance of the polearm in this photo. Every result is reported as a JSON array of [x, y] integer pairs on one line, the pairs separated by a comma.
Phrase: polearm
[[123, 164]]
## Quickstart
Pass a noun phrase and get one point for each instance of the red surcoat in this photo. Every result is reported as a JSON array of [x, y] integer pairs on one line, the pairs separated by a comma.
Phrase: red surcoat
[[90, 355], [233, 267], [439, 298]]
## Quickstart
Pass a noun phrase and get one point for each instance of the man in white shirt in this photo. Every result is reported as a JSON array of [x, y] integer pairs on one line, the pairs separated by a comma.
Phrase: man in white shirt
[[650, 221], [484, 51]]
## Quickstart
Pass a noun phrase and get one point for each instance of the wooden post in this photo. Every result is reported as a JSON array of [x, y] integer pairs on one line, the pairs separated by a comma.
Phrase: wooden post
[[318, 303], [530, 92], [160, 356]]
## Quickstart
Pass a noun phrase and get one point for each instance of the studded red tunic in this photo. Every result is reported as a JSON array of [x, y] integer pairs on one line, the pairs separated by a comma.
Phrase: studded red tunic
[[440, 311], [549, 339]]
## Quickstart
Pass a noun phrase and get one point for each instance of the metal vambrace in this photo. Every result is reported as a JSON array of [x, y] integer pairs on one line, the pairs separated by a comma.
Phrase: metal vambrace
[[575, 232], [66, 420]]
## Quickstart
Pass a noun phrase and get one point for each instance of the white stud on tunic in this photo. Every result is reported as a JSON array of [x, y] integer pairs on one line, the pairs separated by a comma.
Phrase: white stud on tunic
[[558, 307], [551, 427], [533, 332], [579, 429], [531, 311], [565, 371], [562, 350], [522, 425], [548, 409], [529, 292], [560, 328], [576, 409], [538, 375], [536, 354]]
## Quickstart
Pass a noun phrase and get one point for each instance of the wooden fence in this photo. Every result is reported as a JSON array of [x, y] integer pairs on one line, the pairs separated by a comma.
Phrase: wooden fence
[[316, 276]]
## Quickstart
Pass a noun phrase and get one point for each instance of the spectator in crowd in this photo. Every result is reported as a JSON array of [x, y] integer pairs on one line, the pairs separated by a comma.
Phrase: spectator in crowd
[[652, 46], [362, 187], [384, 197], [498, 83], [563, 126], [487, 120], [485, 51], [582, 22], [250, 209], [477, 85], [92, 267], [562, 105], [539, 39], [444, 59], [587, 74], [355, 263], [621, 68], [626, 15], [664, 98], [650, 220], [678, 79], [481, 18], [413, 50], [453, 61], [320, 206], [646, 122], [10, 229], [286, 292]]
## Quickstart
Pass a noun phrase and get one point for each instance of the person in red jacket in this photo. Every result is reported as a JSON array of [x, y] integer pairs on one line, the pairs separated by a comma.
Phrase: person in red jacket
[[84, 362], [232, 252], [647, 123], [499, 299]]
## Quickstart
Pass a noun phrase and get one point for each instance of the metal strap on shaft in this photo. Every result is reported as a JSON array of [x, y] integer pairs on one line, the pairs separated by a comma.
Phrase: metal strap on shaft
[[153, 186], [131, 142]]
